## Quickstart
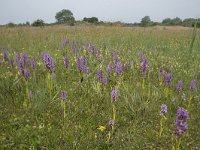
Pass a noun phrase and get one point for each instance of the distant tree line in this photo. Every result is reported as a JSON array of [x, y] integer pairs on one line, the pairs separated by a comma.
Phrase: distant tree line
[[188, 22], [65, 16]]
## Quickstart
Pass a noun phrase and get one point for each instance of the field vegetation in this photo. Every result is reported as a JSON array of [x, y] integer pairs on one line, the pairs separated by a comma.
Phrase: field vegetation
[[95, 87]]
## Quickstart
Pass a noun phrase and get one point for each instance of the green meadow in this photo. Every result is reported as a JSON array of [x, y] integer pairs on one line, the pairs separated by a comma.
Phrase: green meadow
[[34, 114]]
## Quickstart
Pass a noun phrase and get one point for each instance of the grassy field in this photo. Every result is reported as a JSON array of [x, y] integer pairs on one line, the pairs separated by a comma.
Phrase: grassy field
[[115, 79]]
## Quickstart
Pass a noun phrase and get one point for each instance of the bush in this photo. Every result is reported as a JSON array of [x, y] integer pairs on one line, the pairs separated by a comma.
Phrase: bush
[[11, 24], [91, 20], [38, 23]]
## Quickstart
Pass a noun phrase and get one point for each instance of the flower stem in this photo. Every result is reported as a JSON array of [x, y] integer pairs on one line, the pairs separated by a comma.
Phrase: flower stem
[[161, 127], [189, 104], [114, 115], [178, 143]]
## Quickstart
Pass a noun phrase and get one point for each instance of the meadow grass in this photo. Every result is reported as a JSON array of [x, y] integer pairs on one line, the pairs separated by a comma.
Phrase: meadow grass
[[34, 116]]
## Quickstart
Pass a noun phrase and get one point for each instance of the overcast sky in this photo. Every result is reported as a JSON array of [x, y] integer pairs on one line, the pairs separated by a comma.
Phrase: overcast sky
[[19, 11]]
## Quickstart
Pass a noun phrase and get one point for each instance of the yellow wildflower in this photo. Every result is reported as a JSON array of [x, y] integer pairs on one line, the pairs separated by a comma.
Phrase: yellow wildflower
[[84, 51], [101, 128], [39, 63]]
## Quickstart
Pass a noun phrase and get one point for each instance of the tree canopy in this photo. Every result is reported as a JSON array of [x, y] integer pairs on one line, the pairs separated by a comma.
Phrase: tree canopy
[[146, 21], [167, 21], [91, 20], [176, 21], [38, 23], [65, 16]]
